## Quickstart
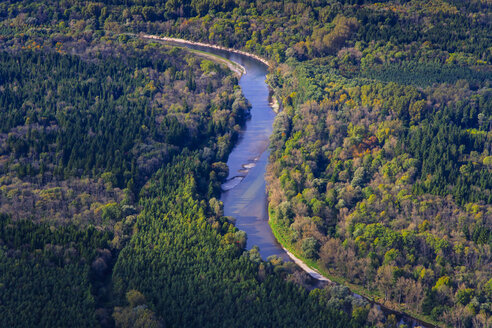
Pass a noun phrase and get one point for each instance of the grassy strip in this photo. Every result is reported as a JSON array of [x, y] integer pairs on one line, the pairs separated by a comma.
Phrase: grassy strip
[[280, 233]]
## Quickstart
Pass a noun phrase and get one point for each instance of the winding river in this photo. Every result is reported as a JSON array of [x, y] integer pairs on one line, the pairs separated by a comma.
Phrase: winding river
[[244, 193], [245, 197]]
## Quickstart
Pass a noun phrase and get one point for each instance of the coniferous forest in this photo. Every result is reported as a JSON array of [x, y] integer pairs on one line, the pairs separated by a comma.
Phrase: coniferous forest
[[113, 149]]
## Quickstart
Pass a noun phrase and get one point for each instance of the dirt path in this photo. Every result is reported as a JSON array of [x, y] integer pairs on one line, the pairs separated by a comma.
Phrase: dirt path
[[312, 272]]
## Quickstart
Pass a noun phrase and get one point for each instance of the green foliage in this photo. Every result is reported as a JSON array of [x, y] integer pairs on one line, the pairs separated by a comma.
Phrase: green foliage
[[380, 160], [46, 274], [191, 269], [310, 247], [394, 130], [464, 296], [136, 314]]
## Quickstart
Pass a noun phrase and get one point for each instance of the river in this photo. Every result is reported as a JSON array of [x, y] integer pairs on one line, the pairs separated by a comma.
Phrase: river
[[244, 194]]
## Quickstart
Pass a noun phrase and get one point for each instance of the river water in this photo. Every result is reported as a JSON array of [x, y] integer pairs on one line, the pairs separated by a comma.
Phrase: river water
[[244, 195]]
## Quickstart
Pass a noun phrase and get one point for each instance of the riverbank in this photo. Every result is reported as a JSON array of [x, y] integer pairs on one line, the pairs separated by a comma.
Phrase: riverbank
[[309, 266], [274, 103]]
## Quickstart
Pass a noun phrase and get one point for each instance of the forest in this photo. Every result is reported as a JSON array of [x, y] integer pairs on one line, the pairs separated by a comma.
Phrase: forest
[[113, 150]]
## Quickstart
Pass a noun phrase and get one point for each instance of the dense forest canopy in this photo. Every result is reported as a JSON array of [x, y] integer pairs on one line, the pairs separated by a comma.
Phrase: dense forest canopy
[[190, 112], [112, 151]]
